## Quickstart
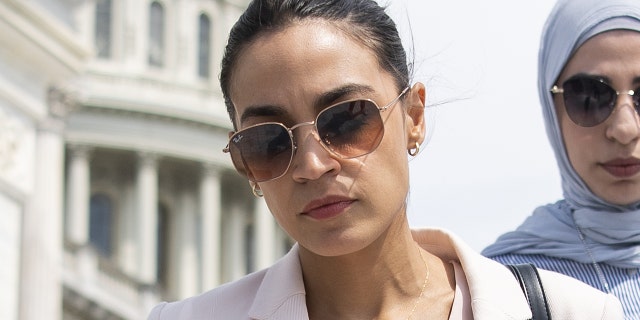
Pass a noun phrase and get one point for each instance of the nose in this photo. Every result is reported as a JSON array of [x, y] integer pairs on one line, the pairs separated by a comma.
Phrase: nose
[[624, 125], [311, 160]]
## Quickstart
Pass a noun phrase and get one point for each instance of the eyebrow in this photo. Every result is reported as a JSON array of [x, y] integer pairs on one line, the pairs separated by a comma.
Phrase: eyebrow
[[322, 101], [334, 95], [262, 111]]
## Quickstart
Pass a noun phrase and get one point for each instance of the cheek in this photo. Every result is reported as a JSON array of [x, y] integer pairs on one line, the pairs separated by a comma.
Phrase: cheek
[[579, 143], [277, 201], [274, 196], [395, 135], [393, 149], [570, 138]]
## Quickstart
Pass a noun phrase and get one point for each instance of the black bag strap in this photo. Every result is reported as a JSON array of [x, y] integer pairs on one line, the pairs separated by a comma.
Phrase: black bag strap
[[529, 279]]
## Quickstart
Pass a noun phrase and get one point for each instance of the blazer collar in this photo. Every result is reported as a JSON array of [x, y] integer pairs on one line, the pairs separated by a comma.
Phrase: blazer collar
[[495, 293], [282, 287]]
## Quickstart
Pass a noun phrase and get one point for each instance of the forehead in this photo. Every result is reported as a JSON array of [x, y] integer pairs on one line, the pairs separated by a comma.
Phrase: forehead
[[611, 53], [300, 61]]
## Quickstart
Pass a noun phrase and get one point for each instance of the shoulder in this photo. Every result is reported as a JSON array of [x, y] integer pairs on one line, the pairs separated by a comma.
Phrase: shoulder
[[275, 293], [229, 301], [496, 294], [569, 298]]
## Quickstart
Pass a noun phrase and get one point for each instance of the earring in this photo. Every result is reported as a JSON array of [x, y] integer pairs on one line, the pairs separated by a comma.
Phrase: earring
[[414, 152], [256, 190]]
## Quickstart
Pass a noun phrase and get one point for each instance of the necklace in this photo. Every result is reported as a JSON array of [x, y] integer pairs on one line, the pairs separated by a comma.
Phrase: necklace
[[596, 265], [424, 285]]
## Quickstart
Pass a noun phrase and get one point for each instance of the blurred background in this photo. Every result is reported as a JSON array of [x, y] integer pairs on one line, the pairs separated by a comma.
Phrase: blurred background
[[114, 192], [488, 163]]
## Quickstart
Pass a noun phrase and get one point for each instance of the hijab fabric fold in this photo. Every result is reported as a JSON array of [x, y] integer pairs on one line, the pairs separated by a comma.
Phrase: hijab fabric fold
[[612, 232]]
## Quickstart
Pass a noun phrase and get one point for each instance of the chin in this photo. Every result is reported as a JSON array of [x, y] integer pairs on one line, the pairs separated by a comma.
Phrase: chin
[[619, 193], [625, 202], [335, 246], [621, 200]]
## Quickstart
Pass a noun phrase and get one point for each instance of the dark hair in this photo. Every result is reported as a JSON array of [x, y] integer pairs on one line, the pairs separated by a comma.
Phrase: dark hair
[[363, 19]]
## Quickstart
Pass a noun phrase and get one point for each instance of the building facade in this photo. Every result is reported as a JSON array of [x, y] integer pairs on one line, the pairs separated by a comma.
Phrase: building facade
[[114, 191]]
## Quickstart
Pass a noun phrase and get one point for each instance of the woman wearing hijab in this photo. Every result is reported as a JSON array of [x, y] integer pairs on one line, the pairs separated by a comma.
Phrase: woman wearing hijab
[[589, 87]]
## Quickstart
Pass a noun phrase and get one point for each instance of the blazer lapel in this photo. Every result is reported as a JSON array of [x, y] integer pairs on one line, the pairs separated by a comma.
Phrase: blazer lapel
[[281, 294], [495, 293]]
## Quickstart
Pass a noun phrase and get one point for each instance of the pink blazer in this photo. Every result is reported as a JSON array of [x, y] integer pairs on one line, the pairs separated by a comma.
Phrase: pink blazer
[[278, 291]]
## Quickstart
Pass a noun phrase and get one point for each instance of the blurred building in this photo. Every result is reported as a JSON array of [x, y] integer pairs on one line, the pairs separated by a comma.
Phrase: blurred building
[[114, 192]]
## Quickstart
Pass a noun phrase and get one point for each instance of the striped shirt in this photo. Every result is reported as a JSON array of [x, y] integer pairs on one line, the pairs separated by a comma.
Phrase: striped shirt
[[623, 283]]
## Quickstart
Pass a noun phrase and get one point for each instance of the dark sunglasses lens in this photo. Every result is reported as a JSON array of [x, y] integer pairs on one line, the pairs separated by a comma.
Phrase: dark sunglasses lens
[[588, 101], [351, 129], [262, 152]]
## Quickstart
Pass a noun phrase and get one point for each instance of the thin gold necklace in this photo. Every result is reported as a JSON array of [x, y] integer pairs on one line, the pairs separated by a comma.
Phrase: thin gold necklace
[[424, 285]]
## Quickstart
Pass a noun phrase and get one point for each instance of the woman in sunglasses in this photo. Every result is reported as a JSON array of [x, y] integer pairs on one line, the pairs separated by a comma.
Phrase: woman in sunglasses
[[589, 85], [324, 114]]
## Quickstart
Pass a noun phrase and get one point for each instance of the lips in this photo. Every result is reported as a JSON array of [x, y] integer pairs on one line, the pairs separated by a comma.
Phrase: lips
[[327, 208], [622, 168]]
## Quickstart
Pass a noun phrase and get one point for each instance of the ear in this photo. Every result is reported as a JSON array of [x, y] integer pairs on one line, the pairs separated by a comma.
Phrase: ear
[[230, 134], [415, 123]]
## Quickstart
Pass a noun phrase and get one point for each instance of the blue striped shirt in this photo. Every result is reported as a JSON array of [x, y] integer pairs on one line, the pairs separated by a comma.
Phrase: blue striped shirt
[[623, 283]]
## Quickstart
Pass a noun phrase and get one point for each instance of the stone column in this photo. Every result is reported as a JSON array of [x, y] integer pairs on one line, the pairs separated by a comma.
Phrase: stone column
[[78, 193], [235, 240], [187, 250], [265, 235], [147, 193], [210, 210], [78, 211], [135, 18], [186, 40], [128, 232], [40, 296]]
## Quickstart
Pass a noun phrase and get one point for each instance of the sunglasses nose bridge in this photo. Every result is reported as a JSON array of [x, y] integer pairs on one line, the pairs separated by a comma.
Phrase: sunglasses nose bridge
[[302, 124], [308, 123], [294, 139], [621, 113], [316, 136], [629, 93], [624, 98]]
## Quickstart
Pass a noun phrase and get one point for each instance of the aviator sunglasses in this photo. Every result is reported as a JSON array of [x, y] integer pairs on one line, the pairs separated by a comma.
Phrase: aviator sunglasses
[[347, 129], [589, 101]]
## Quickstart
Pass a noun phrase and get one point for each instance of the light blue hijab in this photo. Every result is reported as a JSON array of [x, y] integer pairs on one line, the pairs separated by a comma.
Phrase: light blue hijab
[[612, 232]]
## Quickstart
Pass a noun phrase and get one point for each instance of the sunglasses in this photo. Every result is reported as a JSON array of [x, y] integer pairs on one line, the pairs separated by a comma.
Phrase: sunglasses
[[348, 129], [589, 101]]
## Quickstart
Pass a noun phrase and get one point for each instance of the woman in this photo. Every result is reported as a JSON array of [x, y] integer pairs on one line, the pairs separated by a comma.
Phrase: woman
[[319, 95], [589, 86]]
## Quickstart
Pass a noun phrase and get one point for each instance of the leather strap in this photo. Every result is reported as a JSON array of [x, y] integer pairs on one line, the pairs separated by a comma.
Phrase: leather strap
[[527, 275]]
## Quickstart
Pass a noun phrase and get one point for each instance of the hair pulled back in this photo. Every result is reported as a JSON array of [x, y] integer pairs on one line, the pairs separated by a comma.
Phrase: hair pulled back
[[364, 20]]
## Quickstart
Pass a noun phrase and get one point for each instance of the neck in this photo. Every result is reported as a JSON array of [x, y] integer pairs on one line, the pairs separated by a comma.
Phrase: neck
[[381, 281]]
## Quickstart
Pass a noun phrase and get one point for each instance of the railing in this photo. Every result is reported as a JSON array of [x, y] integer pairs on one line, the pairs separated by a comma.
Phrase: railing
[[98, 279]]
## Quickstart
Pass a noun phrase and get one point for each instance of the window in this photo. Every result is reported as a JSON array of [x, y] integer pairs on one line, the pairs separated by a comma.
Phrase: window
[[156, 35], [204, 46], [100, 223], [103, 28]]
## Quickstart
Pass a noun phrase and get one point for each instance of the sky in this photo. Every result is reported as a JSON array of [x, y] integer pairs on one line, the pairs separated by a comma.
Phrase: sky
[[487, 163]]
